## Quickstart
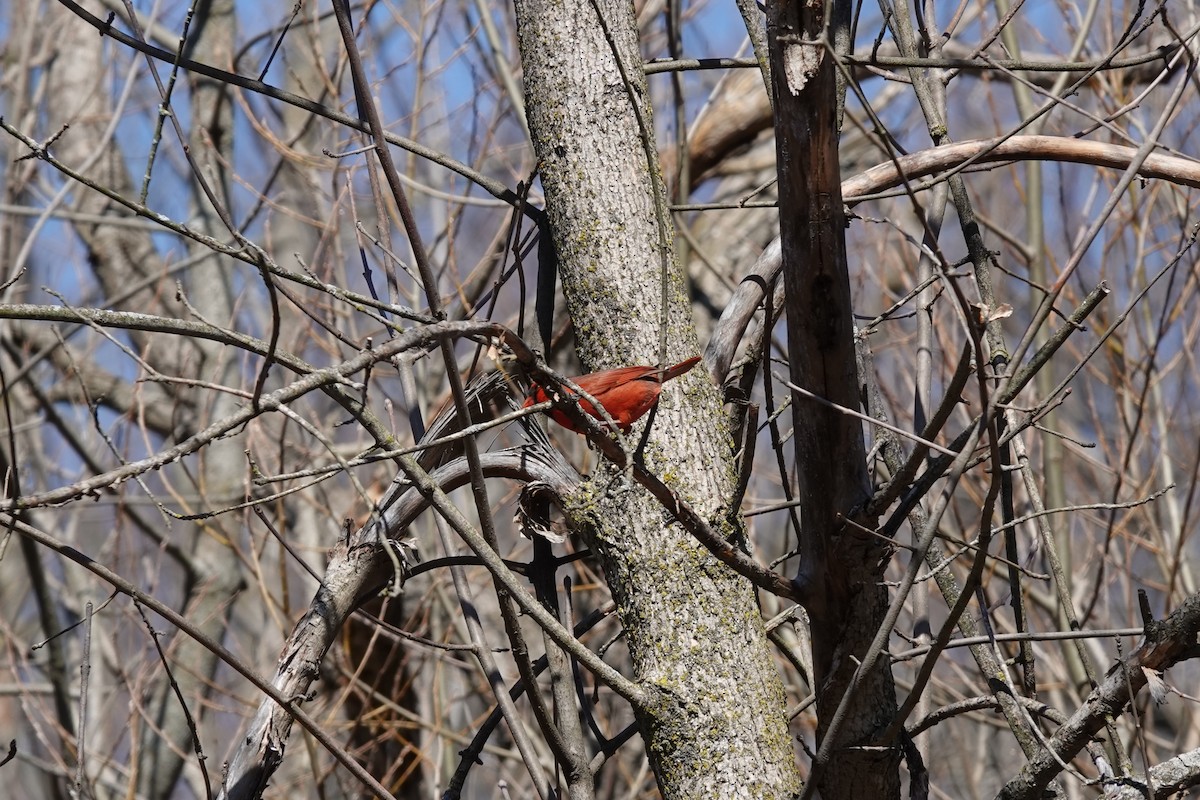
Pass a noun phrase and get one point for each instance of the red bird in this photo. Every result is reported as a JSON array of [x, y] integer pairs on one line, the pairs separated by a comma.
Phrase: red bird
[[626, 393]]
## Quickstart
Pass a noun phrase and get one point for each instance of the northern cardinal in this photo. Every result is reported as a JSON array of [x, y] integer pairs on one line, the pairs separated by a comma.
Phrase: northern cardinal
[[626, 393]]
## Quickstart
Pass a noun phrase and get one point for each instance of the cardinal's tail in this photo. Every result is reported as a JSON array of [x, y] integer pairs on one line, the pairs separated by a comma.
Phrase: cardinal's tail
[[679, 369]]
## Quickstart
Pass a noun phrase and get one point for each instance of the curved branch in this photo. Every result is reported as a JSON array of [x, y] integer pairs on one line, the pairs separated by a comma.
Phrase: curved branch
[[357, 568], [981, 703], [1169, 778], [762, 276], [1166, 644], [904, 169]]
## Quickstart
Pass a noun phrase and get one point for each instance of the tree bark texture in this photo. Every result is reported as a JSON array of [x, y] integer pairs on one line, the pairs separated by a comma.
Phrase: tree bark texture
[[716, 726], [841, 570]]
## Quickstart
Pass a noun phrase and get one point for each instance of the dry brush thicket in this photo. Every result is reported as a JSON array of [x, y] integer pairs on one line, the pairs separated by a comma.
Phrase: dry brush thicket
[[246, 548]]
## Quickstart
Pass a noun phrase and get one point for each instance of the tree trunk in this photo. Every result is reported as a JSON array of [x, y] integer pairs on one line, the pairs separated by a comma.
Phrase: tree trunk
[[716, 726], [841, 570]]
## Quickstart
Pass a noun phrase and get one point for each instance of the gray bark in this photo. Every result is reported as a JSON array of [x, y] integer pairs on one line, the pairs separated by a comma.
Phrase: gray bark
[[716, 725]]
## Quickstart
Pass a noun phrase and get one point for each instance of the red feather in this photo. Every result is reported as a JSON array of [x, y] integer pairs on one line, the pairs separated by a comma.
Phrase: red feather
[[626, 393]]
